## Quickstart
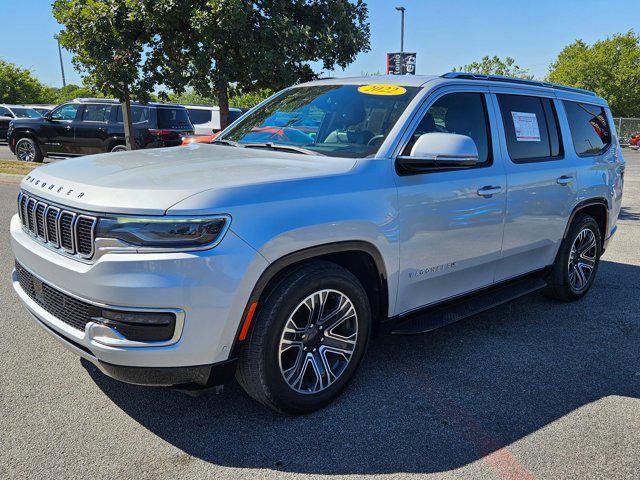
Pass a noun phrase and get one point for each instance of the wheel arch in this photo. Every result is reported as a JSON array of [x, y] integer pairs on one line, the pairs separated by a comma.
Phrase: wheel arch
[[361, 258], [598, 208], [113, 142]]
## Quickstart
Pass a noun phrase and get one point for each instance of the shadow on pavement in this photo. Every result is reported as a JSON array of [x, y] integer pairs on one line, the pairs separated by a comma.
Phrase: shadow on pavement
[[428, 403], [627, 213]]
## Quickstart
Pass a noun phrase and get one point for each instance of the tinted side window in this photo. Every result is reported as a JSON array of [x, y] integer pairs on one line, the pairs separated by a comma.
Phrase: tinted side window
[[96, 113], [65, 112], [530, 127], [589, 129], [461, 113], [234, 115], [199, 116], [4, 112], [138, 114], [173, 118]]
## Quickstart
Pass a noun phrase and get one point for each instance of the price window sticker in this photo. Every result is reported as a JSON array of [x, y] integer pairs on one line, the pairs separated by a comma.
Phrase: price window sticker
[[526, 126]]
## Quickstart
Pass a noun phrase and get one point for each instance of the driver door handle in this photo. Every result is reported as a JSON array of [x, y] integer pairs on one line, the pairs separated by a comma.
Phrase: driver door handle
[[489, 190], [564, 180]]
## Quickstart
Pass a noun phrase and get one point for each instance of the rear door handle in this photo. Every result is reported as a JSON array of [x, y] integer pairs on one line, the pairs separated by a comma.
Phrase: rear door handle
[[489, 190], [564, 180]]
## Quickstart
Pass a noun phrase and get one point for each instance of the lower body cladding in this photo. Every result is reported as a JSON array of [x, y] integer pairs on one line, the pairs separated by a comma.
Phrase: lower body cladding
[[148, 318]]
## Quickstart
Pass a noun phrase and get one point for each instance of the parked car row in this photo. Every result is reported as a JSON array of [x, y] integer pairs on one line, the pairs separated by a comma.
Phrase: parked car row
[[95, 125]]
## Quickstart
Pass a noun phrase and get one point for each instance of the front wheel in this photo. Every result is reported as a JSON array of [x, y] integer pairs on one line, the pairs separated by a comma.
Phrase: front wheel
[[119, 148], [27, 150], [307, 340], [577, 261]]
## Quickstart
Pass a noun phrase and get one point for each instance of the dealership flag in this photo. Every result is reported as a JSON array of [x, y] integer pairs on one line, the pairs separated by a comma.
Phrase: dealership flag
[[401, 63]]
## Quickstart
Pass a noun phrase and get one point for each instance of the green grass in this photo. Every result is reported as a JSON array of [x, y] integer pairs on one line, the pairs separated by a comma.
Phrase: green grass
[[15, 167]]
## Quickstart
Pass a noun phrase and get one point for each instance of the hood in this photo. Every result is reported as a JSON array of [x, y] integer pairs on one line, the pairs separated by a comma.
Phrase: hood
[[151, 181]]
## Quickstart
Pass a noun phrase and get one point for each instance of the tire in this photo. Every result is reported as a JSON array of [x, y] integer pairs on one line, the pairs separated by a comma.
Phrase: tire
[[270, 353], [27, 150], [576, 265], [119, 148]]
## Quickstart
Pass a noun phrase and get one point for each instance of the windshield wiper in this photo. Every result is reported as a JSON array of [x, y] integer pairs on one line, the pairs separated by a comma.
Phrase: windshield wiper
[[280, 146], [222, 141]]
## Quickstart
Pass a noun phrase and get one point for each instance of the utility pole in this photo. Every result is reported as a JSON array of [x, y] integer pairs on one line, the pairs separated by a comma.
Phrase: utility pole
[[64, 81], [401, 10]]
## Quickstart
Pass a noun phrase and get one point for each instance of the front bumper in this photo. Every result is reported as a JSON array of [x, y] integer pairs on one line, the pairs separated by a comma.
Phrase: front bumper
[[198, 375], [210, 287]]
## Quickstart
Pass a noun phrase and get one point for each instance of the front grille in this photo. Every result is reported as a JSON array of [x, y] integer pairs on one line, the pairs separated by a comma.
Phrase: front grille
[[59, 228], [66, 308]]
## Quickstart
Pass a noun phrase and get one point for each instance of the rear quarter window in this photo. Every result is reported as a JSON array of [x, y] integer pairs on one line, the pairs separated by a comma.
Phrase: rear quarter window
[[199, 116], [173, 118], [590, 132], [530, 127]]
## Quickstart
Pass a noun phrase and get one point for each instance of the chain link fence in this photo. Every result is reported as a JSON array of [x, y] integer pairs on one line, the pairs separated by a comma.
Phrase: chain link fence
[[627, 127]]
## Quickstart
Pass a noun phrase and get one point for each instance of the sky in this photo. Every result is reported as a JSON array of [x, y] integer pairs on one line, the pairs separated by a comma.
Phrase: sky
[[444, 34]]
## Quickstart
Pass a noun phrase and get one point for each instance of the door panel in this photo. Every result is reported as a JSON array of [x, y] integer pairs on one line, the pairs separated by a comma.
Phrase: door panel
[[91, 132], [541, 193], [450, 235], [58, 131]]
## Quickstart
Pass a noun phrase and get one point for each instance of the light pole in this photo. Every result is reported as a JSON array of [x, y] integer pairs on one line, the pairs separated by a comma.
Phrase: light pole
[[64, 82], [401, 10]]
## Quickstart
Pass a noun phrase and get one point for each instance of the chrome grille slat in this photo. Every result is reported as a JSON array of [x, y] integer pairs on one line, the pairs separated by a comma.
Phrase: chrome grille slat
[[71, 232], [41, 231], [51, 217], [31, 222], [65, 230]]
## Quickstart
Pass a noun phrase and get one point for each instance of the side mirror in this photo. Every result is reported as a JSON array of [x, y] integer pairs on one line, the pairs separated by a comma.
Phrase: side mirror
[[8, 115], [440, 150]]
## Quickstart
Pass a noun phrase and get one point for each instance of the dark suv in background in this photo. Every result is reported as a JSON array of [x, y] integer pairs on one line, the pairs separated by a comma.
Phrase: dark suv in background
[[89, 125], [9, 112]]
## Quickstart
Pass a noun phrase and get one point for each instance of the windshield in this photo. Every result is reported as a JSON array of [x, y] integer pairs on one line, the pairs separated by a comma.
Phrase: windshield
[[335, 120], [25, 113]]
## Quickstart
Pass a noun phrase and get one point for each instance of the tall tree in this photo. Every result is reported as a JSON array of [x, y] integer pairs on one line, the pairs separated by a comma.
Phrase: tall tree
[[108, 39], [212, 44], [496, 66], [18, 85], [609, 67]]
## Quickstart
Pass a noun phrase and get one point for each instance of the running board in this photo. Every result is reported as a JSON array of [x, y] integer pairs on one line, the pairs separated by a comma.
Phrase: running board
[[450, 312]]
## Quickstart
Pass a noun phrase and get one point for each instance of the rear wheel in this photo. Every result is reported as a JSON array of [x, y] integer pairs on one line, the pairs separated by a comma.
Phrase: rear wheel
[[577, 261], [27, 150], [307, 341], [119, 148]]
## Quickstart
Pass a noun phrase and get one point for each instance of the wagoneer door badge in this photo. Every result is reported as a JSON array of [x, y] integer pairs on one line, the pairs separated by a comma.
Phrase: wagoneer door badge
[[69, 192], [432, 269]]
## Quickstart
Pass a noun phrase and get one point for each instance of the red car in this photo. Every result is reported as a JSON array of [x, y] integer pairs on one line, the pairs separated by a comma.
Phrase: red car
[[634, 142], [199, 139]]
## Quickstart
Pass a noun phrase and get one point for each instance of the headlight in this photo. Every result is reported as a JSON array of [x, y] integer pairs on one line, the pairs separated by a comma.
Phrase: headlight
[[164, 232]]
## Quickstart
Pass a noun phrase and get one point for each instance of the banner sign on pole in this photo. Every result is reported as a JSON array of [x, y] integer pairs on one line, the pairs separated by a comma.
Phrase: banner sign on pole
[[401, 63]]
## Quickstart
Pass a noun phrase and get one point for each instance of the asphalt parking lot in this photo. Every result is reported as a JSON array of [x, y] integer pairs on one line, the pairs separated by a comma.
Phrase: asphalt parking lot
[[530, 390]]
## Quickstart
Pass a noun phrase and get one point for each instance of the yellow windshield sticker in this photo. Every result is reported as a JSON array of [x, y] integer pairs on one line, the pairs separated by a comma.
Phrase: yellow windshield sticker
[[381, 89]]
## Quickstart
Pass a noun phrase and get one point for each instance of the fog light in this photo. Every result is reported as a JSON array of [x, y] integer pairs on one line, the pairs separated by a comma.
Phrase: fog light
[[140, 326]]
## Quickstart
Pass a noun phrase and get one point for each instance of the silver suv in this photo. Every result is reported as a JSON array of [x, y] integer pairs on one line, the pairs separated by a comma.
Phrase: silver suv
[[333, 211]]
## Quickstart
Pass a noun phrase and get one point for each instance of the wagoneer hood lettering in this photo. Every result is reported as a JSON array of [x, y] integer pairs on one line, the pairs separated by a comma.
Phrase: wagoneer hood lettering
[[151, 181]]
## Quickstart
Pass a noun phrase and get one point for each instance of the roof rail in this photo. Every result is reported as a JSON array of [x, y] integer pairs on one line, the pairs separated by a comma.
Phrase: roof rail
[[521, 81], [95, 100]]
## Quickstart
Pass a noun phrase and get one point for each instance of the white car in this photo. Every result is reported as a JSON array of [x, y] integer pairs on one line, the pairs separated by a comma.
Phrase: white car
[[206, 120], [335, 210]]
